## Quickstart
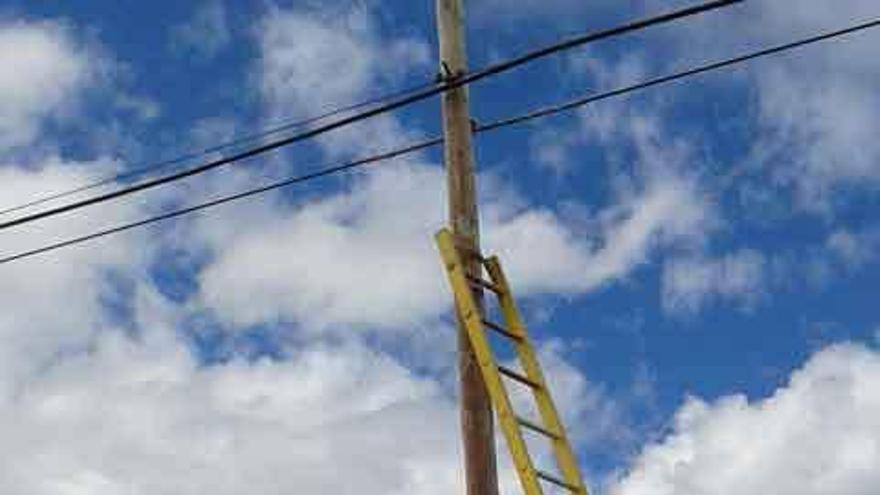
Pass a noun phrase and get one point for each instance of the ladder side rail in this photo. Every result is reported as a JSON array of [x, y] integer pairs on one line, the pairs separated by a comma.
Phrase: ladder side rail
[[565, 458]]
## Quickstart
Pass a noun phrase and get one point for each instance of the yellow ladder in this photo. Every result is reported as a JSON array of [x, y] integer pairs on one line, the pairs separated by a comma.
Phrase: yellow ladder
[[511, 424]]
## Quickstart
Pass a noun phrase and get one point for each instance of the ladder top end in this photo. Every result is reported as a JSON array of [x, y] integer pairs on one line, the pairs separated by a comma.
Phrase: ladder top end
[[443, 233]]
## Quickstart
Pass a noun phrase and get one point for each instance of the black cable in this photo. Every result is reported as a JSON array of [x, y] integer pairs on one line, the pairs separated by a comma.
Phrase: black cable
[[164, 164], [456, 82], [227, 199], [544, 112]]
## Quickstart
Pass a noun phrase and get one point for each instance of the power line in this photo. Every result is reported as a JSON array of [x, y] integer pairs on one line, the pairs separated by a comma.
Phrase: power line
[[164, 164], [525, 117], [550, 110], [227, 199], [454, 82]]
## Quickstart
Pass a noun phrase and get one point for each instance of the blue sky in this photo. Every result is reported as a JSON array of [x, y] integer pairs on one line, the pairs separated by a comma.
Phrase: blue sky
[[692, 325]]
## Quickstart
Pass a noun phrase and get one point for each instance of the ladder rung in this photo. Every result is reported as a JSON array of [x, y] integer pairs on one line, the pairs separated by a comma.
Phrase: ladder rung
[[537, 428], [485, 284], [518, 377], [471, 253], [556, 481], [503, 331]]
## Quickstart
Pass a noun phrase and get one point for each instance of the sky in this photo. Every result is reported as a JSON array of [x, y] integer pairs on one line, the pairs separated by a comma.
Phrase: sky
[[694, 261]]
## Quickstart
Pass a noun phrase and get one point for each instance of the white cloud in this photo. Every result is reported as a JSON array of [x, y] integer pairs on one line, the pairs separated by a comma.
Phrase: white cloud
[[667, 212], [50, 71], [614, 125], [829, 122], [88, 408], [142, 108], [691, 283], [311, 64], [366, 257], [353, 259], [812, 112], [844, 253], [694, 281], [817, 435], [552, 149], [207, 33], [51, 303], [814, 108], [556, 11], [854, 249], [332, 417], [144, 417]]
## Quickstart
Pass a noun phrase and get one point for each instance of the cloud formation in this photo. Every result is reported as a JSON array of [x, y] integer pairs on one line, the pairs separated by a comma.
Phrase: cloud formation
[[51, 69], [690, 283], [814, 107], [206, 33], [366, 257], [816, 435], [143, 416]]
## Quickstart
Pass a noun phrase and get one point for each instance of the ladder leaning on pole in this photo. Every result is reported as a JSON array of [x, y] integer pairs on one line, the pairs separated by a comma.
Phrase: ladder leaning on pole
[[513, 329]]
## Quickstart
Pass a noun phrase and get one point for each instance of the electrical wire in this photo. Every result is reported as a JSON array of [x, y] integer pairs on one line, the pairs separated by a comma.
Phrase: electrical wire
[[421, 145], [454, 82], [228, 199], [278, 128], [550, 110]]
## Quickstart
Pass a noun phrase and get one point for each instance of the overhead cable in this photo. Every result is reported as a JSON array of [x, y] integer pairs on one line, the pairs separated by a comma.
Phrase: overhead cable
[[490, 126], [454, 81], [149, 169]]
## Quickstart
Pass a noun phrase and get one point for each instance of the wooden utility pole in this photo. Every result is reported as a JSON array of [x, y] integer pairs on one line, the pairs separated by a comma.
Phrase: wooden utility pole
[[481, 476]]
